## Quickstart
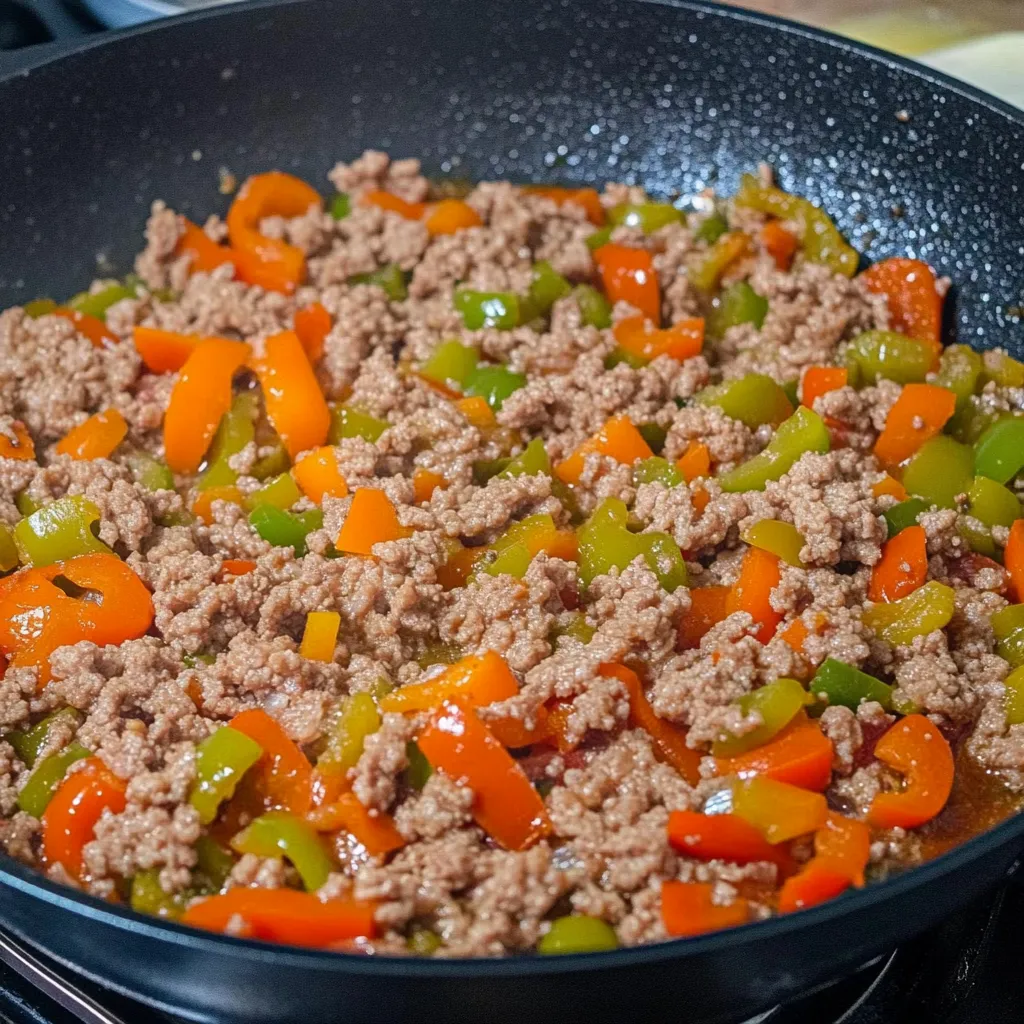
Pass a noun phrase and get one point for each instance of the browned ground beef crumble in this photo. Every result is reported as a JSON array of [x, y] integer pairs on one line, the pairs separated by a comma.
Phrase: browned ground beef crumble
[[145, 711]]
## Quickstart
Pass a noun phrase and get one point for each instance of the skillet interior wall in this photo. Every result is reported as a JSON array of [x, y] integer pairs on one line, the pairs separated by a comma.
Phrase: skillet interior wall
[[564, 91]]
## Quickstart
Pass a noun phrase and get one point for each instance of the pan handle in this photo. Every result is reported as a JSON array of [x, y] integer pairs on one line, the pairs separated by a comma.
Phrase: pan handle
[[81, 1006]]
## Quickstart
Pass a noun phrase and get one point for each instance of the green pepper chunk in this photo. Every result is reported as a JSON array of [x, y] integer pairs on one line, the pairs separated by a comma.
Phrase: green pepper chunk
[[286, 529], [577, 933], [776, 703], [280, 834], [978, 536], [213, 864], [47, 776], [648, 217], [419, 769], [792, 390], [533, 460], [60, 530], [663, 557], [150, 473], [487, 469], [839, 683], [738, 304], [347, 421], [29, 742], [876, 354], [487, 309], [221, 761], [282, 492], [602, 236], [782, 539], [711, 228], [26, 504], [423, 942], [822, 242], [494, 383], [656, 470], [1013, 686], [39, 307], [960, 369], [654, 434], [577, 628], [192, 660], [902, 515], [547, 286], [236, 429], [999, 452], [753, 399], [595, 309], [340, 206], [97, 303], [972, 419], [359, 718], [991, 503], [1008, 627], [925, 610], [273, 463], [9, 556], [803, 432], [148, 897], [438, 653], [390, 279], [450, 364], [941, 470], [1003, 369], [517, 546]]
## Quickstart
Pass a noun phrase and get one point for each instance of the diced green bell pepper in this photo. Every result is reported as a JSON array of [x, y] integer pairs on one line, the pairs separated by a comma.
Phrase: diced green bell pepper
[[487, 309], [213, 864], [783, 540], [419, 769], [577, 933], [1006, 371], [577, 628], [602, 236], [738, 304], [359, 718], [274, 463], [711, 228], [972, 419], [839, 683], [423, 942], [97, 303], [822, 242], [656, 470], [513, 548], [978, 536], [450, 364], [777, 703], [876, 354], [39, 307], [286, 529], [9, 556], [494, 383], [438, 653], [1008, 627], [192, 660], [648, 217], [282, 492], [237, 429], [595, 309], [941, 470], [654, 434], [999, 452], [347, 421], [960, 369], [28, 743], [280, 834], [533, 460], [221, 761], [340, 206], [903, 514], [150, 473], [60, 530], [390, 279], [992, 503], [925, 610], [547, 286], [47, 776], [753, 399], [1013, 686], [26, 504], [148, 897], [705, 270], [803, 432]]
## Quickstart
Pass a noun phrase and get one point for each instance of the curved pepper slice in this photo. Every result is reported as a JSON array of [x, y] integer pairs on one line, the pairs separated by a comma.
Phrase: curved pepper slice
[[164, 351], [780, 244], [706, 270], [221, 761], [36, 794], [359, 718], [283, 915], [903, 566], [928, 608], [776, 704], [279, 834], [759, 576], [819, 380], [312, 325], [840, 683], [754, 399], [96, 438], [708, 606], [587, 198], [723, 837], [393, 204], [941, 470], [201, 396], [648, 217], [294, 402], [70, 818], [915, 305], [778, 538], [516, 548], [21, 447], [205, 252], [270, 263], [999, 452], [376, 832], [921, 754], [90, 327], [640, 339], [450, 216], [618, 439], [920, 412], [778, 810], [801, 754], [842, 847], [887, 354], [474, 681], [737, 304], [58, 531], [505, 804], [687, 908], [1013, 560], [285, 772], [629, 276]]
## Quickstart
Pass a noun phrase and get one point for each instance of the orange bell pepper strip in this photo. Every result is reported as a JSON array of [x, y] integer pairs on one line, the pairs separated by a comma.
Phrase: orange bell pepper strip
[[818, 882], [687, 909], [424, 483], [890, 485], [915, 305], [921, 754], [206, 254], [393, 204], [451, 215], [818, 380], [312, 325], [96, 438], [801, 754], [164, 351], [283, 915], [119, 607], [90, 327], [200, 398], [780, 244], [285, 774], [268, 262], [376, 832], [695, 462], [723, 837], [708, 606], [236, 567], [1013, 560], [558, 726], [474, 681], [295, 404], [759, 576], [903, 566], [514, 733], [585, 197], [842, 848], [668, 739], [456, 571], [920, 412], [318, 475], [22, 448], [505, 804], [618, 439], [477, 411], [371, 519], [202, 507], [629, 276], [70, 818], [681, 341]]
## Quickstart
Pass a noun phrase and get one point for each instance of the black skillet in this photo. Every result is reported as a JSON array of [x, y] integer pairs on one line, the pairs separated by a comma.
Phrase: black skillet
[[676, 97]]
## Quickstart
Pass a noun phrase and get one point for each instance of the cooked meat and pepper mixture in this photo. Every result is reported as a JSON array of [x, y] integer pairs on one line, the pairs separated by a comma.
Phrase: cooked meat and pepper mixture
[[535, 570]]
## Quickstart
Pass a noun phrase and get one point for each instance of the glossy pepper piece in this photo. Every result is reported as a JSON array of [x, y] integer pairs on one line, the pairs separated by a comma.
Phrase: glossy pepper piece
[[318, 475], [706, 269], [1006, 371], [802, 432], [628, 275], [903, 514], [494, 384], [1008, 627], [915, 305], [688, 908], [393, 204], [928, 608], [21, 447], [781, 539], [450, 365], [96, 438], [312, 324], [547, 286], [375, 832], [821, 240], [371, 519], [648, 217], [150, 473], [284, 772], [708, 606], [819, 380], [776, 705], [97, 303], [941, 470], [523, 541], [921, 754], [751, 593], [999, 452], [286, 529], [779, 243], [874, 355], [236, 429], [695, 462], [902, 568], [737, 304], [359, 718], [618, 439], [28, 743], [843, 684], [960, 370], [993, 504], [91, 327], [348, 421], [279, 834], [723, 837], [586, 198], [577, 933], [205, 253], [390, 279], [595, 309], [800, 754], [319, 636], [282, 492], [1013, 560], [921, 411], [221, 761], [1013, 688], [450, 216], [58, 531], [842, 848], [36, 794], [711, 228], [754, 399], [657, 470], [474, 681], [531, 461], [163, 351], [148, 897], [779, 811], [9, 556], [487, 309], [639, 339]]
